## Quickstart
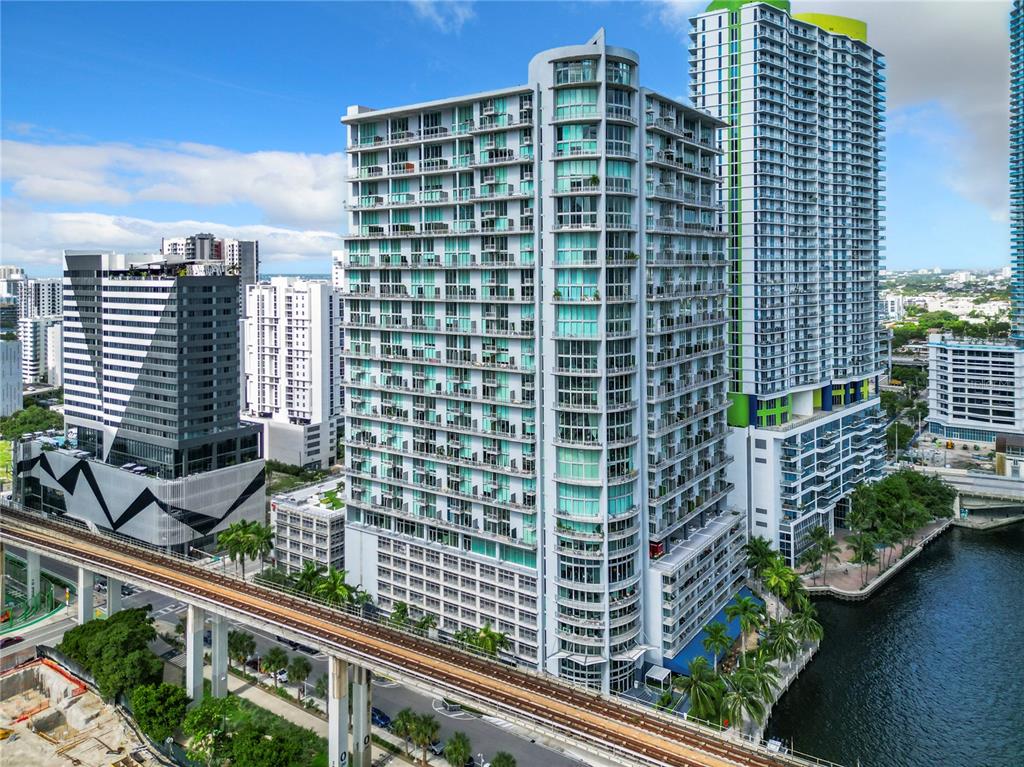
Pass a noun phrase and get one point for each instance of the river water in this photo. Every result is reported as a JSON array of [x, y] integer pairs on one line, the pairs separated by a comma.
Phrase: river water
[[929, 672]]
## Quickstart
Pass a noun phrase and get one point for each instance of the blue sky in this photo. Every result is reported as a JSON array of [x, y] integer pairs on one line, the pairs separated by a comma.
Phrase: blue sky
[[125, 121]]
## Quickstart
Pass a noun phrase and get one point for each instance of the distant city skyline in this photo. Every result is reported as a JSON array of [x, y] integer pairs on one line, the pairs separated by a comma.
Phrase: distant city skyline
[[107, 145]]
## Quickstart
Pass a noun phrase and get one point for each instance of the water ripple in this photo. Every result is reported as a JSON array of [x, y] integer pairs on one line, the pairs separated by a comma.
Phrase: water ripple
[[929, 672]]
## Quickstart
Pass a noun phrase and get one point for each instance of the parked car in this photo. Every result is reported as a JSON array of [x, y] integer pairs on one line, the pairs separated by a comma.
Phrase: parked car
[[282, 677], [379, 718], [253, 662], [437, 748], [127, 590], [208, 637], [8, 641]]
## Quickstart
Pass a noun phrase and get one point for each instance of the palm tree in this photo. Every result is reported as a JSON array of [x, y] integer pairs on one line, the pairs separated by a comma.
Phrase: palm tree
[[763, 676], [399, 614], [425, 728], [810, 560], [426, 622], [717, 641], [458, 749], [703, 688], [778, 579], [829, 548], [402, 726], [231, 539], [466, 637], [333, 588], [320, 688], [274, 660], [299, 669], [503, 759], [742, 698], [749, 613], [241, 644], [759, 554], [261, 541], [361, 599], [780, 638], [806, 627], [491, 641], [306, 579], [864, 553]]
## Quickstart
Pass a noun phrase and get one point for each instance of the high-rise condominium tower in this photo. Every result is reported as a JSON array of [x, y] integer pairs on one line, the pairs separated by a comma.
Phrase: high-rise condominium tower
[[1017, 170], [976, 388], [151, 402], [293, 369], [804, 99], [535, 366]]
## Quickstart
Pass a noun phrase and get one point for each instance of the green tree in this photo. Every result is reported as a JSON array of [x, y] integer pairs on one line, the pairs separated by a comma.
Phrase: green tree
[[299, 669], [399, 614], [320, 689], [763, 676], [491, 641], [402, 726], [233, 540], [241, 644], [425, 729], [829, 549], [779, 580], [810, 560], [806, 627], [255, 745], [759, 554], [206, 726], [717, 641], [31, 419], [503, 759], [159, 710], [749, 613], [333, 588], [780, 639], [898, 436], [426, 622], [458, 750], [274, 661], [862, 545], [703, 687], [260, 541], [742, 698], [306, 579]]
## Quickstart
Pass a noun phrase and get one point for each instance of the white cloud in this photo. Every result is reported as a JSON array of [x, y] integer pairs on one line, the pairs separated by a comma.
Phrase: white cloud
[[289, 189], [446, 15], [34, 239], [950, 53]]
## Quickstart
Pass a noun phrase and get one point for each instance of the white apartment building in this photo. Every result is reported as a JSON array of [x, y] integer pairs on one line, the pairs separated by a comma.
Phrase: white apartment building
[[975, 389], [40, 297], [10, 279], [292, 367], [894, 307], [534, 284], [10, 376], [37, 336], [804, 96], [55, 354], [309, 526]]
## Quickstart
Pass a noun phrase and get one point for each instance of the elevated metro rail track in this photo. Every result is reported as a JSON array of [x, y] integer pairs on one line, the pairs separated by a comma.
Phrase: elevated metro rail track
[[620, 732]]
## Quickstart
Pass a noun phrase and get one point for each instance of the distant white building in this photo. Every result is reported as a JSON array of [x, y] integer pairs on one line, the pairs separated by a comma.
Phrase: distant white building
[[976, 389], [11, 278], [37, 350], [292, 368], [10, 376], [309, 526], [54, 354], [893, 306], [40, 297]]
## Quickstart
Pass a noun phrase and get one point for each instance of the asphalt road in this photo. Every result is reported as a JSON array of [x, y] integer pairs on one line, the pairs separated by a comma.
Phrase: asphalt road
[[487, 735]]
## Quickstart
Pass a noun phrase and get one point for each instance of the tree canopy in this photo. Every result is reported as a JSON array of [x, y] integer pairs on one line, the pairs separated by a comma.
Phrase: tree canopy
[[116, 651], [159, 710], [31, 419]]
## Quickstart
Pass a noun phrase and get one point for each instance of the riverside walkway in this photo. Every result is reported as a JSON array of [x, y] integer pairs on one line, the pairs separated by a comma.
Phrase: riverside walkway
[[845, 579]]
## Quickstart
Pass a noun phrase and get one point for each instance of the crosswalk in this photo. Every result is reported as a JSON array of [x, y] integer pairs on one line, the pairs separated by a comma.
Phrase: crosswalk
[[174, 607]]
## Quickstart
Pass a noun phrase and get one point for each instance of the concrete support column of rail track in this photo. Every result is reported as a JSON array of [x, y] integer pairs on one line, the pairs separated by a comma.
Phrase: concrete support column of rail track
[[194, 653], [3, 576], [361, 702], [113, 596], [84, 597], [337, 713], [32, 583], [219, 656]]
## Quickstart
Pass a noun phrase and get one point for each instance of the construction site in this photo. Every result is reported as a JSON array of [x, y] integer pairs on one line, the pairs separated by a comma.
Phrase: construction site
[[49, 718]]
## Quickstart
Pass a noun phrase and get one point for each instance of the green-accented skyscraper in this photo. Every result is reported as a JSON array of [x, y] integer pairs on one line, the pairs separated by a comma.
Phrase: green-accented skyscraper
[[804, 96]]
